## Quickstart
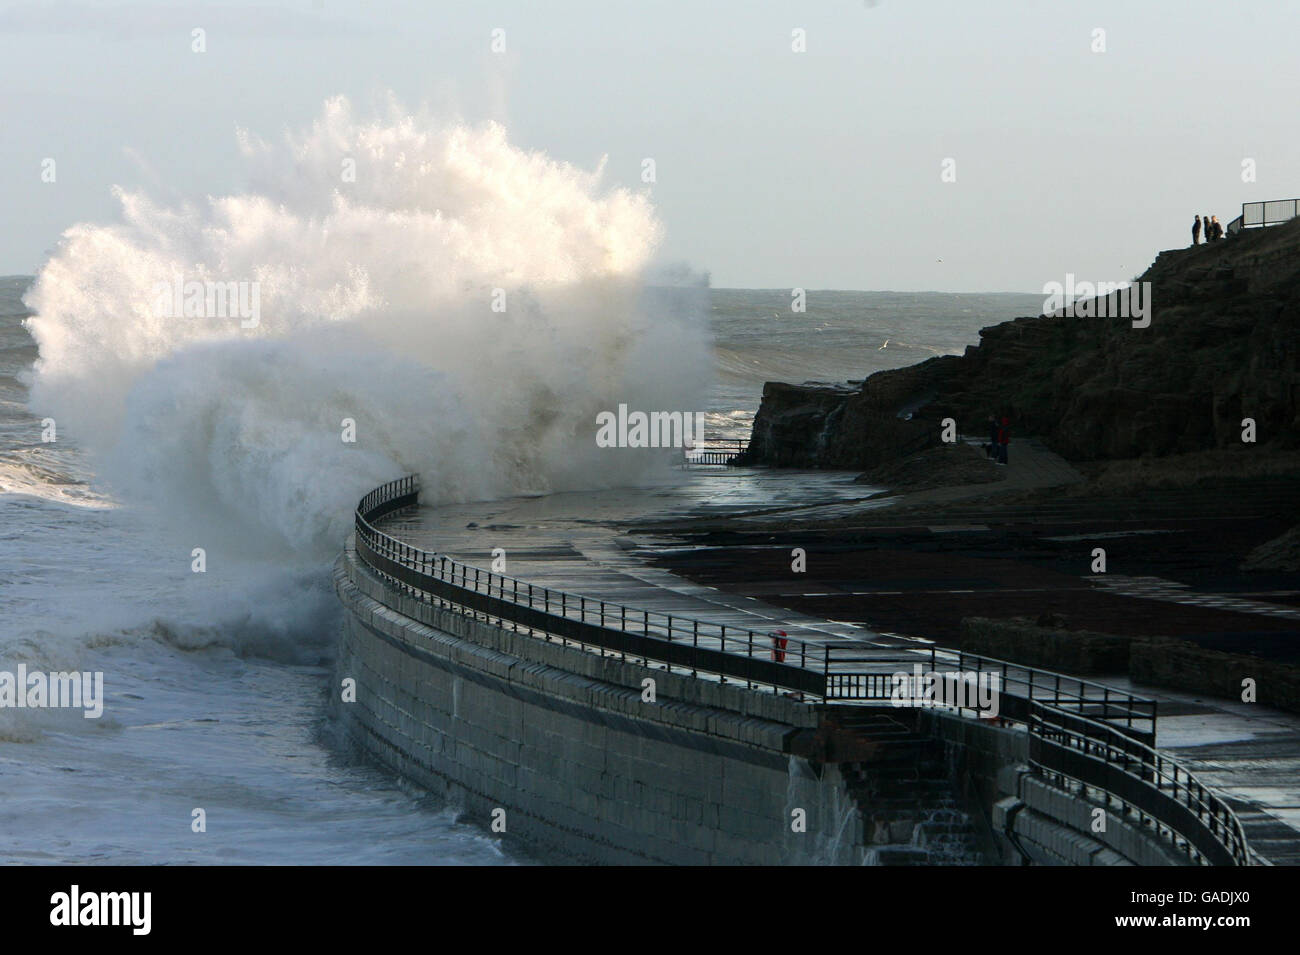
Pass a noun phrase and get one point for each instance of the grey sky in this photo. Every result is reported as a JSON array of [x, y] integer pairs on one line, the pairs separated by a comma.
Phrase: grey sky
[[775, 169]]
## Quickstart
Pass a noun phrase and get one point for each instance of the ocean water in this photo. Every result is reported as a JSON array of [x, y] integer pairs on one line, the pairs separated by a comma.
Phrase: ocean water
[[841, 336], [216, 699], [210, 701], [175, 433]]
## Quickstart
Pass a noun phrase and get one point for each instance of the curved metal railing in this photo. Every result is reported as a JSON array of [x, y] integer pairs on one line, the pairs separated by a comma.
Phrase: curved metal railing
[[1162, 791], [680, 643], [848, 673], [1090, 732]]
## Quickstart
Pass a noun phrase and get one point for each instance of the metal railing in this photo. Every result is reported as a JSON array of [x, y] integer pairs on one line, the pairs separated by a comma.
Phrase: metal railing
[[715, 451], [679, 643], [849, 673], [1097, 735], [1020, 688], [1260, 214], [1162, 793]]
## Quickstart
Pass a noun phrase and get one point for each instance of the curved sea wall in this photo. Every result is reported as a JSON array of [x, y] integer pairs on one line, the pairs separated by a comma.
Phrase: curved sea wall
[[562, 741], [546, 717]]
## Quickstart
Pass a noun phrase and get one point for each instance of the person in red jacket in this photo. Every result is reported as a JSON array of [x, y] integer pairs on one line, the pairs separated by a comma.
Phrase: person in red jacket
[[1004, 438]]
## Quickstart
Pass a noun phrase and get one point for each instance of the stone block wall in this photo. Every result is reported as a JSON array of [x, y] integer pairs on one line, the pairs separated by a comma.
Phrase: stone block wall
[[557, 742]]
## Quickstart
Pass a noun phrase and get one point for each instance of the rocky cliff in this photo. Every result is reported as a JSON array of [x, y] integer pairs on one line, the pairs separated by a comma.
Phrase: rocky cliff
[[1223, 344]]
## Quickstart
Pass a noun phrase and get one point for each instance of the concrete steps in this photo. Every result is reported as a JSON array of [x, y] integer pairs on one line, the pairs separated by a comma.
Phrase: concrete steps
[[910, 810]]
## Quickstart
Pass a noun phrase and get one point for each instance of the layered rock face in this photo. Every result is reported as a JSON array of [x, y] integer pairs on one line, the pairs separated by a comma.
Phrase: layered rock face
[[1223, 344], [830, 426]]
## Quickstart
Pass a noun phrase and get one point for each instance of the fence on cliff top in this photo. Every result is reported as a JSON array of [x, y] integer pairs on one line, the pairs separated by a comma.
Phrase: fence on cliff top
[[1260, 214], [1076, 722]]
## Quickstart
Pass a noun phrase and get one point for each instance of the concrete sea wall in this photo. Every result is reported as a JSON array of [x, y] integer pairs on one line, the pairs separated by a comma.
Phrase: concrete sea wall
[[566, 752], [1032, 821], [559, 744]]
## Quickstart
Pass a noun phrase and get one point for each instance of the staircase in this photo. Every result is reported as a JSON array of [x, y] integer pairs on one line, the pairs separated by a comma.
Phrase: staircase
[[910, 810]]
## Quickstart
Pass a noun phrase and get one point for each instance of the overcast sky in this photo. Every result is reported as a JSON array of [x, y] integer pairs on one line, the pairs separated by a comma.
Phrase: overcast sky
[[775, 168]]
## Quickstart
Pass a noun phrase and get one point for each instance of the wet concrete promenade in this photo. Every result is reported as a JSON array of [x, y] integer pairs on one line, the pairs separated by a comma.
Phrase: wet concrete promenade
[[578, 543]]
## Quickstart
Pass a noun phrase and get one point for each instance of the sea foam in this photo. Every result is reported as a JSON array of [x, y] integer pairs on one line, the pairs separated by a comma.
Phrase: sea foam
[[376, 293]]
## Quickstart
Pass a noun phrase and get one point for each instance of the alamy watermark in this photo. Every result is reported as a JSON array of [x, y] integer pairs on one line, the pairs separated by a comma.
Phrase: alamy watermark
[[61, 690], [1099, 300], [132, 910], [653, 429], [955, 689], [206, 299]]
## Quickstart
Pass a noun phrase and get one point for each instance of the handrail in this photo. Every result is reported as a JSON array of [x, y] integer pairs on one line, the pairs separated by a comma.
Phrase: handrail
[[691, 644], [1139, 777], [1026, 684], [1070, 719], [1265, 213], [725, 451], [825, 671]]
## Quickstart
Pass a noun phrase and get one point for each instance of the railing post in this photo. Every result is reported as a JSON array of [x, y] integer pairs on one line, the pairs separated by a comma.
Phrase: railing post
[[749, 684], [695, 642]]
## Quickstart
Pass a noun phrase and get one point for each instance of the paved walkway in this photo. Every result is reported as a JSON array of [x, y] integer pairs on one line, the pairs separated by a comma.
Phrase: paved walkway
[[571, 542], [1157, 588], [1030, 467]]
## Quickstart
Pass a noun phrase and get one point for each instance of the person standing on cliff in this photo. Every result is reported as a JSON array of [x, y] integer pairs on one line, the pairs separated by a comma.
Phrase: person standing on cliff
[[1004, 438], [1209, 229], [1217, 228], [1196, 231]]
